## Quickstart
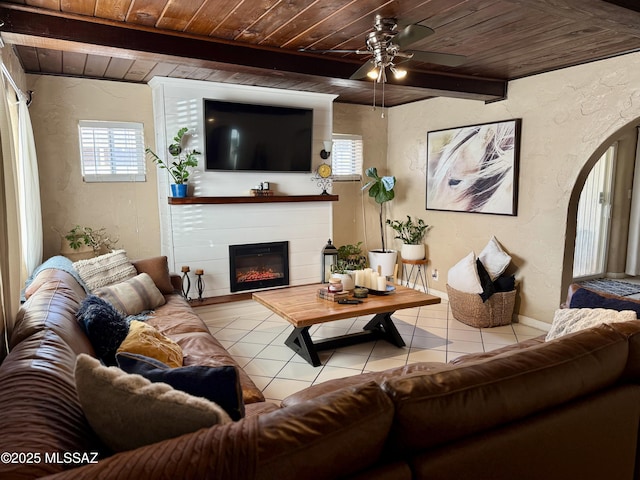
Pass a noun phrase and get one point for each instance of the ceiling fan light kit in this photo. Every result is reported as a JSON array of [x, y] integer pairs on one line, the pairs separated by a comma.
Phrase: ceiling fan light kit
[[385, 43]]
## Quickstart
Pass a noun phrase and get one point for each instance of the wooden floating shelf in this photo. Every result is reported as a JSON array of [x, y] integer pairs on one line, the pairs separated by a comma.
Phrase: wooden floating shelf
[[248, 199]]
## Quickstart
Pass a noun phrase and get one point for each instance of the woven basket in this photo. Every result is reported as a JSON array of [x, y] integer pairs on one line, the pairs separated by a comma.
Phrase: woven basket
[[468, 308]]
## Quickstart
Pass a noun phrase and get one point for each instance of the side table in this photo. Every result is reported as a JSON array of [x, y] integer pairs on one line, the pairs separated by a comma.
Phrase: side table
[[421, 272]]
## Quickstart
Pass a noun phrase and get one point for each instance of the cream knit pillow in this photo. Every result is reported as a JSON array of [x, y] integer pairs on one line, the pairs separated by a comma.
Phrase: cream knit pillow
[[105, 270]]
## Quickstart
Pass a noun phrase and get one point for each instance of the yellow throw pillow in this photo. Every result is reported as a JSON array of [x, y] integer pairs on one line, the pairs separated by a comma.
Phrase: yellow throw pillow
[[146, 340]]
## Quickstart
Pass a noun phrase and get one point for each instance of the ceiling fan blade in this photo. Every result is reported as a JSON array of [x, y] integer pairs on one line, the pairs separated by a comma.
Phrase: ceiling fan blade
[[412, 34], [447, 59], [362, 71], [312, 50]]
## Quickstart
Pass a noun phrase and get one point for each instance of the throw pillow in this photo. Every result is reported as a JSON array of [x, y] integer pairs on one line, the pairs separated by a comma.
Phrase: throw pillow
[[569, 320], [218, 384], [505, 283], [105, 270], [488, 287], [463, 276], [134, 295], [158, 270], [105, 327], [584, 298], [494, 258], [147, 340], [128, 411]]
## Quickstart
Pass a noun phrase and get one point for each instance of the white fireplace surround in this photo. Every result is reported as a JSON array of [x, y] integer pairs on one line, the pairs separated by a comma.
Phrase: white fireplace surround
[[199, 235]]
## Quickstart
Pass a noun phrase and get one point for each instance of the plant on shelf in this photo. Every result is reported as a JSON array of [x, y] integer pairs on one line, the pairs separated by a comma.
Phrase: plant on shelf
[[381, 189], [96, 239], [412, 235], [183, 160], [410, 232], [350, 258]]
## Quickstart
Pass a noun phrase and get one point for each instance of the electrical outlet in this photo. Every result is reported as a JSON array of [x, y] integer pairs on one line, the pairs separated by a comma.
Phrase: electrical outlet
[[434, 274]]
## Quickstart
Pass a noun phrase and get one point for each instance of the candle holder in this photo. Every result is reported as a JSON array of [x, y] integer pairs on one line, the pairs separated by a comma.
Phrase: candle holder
[[186, 282], [200, 283]]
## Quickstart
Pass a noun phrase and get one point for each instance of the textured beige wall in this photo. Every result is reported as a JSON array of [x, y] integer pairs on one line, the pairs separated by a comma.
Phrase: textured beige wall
[[566, 116], [128, 211], [354, 205]]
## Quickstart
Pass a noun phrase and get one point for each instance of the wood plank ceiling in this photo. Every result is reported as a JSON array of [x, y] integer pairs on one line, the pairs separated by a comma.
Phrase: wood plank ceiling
[[257, 42]]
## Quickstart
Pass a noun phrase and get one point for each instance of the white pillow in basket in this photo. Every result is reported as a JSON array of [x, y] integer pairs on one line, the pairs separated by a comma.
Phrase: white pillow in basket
[[463, 276], [105, 270], [494, 259]]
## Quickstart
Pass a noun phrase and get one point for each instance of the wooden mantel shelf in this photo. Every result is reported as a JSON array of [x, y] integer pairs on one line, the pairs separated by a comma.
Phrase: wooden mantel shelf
[[247, 199]]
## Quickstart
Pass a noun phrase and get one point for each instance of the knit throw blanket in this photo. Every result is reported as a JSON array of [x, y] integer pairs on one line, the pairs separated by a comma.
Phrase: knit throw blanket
[[569, 320], [57, 262]]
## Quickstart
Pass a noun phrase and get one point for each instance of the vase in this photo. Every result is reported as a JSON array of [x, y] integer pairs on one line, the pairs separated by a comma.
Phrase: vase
[[386, 260], [179, 190], [412, 252], [348, 283]]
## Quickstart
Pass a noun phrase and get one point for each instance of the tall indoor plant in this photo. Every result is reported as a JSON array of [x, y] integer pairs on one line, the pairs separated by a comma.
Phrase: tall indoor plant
[[412, 234], [381, 189], [179, 167]]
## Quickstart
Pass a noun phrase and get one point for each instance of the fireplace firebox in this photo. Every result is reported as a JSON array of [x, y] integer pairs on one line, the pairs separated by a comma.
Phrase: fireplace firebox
[[258, 265]]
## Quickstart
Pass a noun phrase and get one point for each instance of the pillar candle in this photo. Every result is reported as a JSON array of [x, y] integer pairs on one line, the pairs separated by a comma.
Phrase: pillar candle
[[382, 283], [373, 280]]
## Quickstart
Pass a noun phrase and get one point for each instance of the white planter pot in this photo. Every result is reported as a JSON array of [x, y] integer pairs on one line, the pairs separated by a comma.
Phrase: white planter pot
[[348, 283], [386, 260], [412, 252]]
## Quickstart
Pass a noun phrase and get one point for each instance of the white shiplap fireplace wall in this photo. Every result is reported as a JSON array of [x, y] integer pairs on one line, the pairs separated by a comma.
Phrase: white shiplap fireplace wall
[[199, 235]]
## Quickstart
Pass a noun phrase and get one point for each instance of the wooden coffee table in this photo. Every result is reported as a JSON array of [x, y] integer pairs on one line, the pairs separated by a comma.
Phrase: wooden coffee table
[[301, 307]]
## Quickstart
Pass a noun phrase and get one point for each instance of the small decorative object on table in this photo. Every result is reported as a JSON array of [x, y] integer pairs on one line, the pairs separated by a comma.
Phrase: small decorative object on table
[[325, 294], [360, 292], [329, 260], [186, 282], [200, 283], [335, 285]]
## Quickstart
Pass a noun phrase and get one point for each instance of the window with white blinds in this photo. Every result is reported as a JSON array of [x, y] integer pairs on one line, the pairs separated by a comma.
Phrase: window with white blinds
[[346, 157], [112, 151]]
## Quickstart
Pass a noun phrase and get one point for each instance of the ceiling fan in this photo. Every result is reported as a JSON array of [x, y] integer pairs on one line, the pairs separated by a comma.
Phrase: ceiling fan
[[385, 43]]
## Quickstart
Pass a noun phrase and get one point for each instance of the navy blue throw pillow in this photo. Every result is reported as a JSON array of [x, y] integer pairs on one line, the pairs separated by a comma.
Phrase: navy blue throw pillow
[[218, 384], [584, 298], [105, 327], [505, 283]]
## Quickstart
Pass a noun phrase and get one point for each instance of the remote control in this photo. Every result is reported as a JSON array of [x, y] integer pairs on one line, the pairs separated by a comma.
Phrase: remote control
[[346, 301]]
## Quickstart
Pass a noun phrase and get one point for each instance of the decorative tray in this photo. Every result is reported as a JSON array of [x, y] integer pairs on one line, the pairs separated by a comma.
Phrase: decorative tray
[[390, 289]]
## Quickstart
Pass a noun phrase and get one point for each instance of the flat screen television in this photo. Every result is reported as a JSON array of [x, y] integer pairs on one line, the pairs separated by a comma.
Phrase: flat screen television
[[249, 137]]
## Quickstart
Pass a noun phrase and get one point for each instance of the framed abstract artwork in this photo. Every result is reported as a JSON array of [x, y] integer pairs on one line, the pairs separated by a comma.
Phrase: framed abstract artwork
[[474, 168]]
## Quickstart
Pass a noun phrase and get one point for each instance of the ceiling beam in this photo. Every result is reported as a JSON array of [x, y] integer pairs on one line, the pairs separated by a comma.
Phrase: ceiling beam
[[47, 24]]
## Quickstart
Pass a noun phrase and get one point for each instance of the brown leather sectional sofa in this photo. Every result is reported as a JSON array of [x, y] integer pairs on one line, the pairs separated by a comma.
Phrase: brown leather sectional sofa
[[564, 409]]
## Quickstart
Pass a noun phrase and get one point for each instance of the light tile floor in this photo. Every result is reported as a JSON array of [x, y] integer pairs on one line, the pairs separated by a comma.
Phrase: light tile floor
[[255, 337]]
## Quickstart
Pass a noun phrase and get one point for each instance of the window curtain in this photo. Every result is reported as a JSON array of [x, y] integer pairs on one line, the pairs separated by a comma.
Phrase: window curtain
[[20, 213], [633, 242], [29, 191]]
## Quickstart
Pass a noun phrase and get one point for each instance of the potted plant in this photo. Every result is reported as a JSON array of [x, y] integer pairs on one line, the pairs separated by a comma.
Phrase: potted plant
[[179, 167], [350, 258], [381, 190], [412, 234], [85, 242]]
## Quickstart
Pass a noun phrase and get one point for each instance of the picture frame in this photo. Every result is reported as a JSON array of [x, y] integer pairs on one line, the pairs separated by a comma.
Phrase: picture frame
[[474, 168]]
